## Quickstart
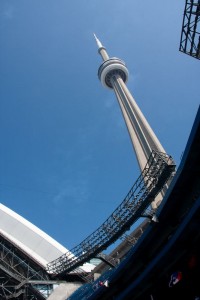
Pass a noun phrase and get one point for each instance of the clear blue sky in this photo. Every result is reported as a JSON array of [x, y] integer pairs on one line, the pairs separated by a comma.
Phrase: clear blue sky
[[66, 160]]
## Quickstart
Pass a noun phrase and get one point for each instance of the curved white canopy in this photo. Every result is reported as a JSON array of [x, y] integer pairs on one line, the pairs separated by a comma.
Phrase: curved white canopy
[[35, 242]]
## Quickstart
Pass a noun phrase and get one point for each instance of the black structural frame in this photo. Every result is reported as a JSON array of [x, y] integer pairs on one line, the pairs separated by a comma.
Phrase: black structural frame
[[190, 34], [21, 277], [159, 169]]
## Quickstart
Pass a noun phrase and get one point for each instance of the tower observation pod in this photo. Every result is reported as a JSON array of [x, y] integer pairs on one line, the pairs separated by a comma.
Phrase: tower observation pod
[[113, 74], [157, 169]]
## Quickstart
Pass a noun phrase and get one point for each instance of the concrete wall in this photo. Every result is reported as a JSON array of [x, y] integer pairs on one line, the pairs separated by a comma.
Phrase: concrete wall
[[64, 290]]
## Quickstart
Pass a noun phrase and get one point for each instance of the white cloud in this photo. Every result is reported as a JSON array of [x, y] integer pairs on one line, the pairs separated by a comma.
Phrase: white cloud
[[133, 79], [110, 102], [8, 12], [73, 191]]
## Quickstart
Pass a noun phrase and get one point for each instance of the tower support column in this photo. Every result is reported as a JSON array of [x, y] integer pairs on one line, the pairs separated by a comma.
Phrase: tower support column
[[113, 74]]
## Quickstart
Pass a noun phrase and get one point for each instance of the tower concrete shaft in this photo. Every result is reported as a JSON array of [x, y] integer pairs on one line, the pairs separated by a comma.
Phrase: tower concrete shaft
[[113, 74]]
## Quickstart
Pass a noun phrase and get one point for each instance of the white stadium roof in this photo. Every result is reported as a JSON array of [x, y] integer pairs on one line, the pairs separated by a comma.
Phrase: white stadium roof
[[30, 239]]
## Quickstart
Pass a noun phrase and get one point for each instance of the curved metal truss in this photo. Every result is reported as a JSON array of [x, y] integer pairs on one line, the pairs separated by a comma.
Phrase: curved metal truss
[[156, 173], [190, 35]]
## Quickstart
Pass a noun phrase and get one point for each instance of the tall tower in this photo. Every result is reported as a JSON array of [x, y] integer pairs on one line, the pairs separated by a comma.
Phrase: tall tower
[[156, 168], [113, 74]]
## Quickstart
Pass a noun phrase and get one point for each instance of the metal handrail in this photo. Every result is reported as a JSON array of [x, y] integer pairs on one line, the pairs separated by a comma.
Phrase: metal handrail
[[156, 173]]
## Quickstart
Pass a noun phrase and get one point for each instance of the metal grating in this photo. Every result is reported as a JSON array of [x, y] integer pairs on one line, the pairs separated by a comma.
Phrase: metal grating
[[156, 173], [190, 35], [21, 278]]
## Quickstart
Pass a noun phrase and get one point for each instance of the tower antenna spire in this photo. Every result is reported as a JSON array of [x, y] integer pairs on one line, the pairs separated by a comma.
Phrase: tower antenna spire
[[99, 44], [101, 49], [113, 74]]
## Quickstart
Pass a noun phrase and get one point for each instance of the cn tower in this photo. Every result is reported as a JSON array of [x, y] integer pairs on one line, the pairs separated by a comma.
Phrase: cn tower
[[113, 74]]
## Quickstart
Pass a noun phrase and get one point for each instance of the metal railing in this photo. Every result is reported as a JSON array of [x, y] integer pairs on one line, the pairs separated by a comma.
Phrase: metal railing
[[156, 173]]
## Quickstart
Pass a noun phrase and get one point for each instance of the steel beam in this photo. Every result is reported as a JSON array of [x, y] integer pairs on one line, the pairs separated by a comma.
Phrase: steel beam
[[190, 34]]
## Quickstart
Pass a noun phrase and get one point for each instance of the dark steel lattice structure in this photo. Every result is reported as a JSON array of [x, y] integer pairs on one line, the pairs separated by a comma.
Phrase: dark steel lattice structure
[[21, 277], [190, 35], [157, 172]]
